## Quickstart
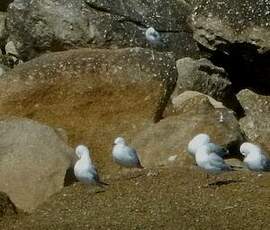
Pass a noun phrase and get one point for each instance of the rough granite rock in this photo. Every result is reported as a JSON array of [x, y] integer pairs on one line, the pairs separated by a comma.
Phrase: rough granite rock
[[169, 137], [38, 26], [180, 103], [217, 24], [256, 123], [202, 76], [95, 95], [33, 162]]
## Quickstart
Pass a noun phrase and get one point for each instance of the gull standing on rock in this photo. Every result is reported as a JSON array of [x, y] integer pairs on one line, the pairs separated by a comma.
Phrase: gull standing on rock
[[202, 139], [84, 170], [125, 155], [152, 36], [254, 157]]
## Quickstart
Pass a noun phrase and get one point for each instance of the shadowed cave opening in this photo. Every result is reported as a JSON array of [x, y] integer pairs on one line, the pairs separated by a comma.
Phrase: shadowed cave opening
[[246, 67]]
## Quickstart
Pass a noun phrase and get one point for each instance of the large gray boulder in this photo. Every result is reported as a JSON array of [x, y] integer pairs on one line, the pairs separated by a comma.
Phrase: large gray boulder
[[38, 26], [236, 35], [203, 76], [33, 161], [256, 123], [166, 142], [95, 95]]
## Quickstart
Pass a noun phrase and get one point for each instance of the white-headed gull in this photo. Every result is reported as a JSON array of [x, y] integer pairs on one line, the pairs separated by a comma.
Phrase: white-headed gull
[[255, 159], [202, 139], [125, 155], [152, 36], [84, 170]]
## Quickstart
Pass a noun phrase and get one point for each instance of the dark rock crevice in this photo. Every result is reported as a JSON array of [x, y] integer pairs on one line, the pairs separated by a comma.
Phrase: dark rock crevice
[[4, 5], [246, 67]]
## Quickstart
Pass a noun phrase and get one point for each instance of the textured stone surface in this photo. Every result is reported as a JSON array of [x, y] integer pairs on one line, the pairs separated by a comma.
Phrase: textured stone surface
[[217, 24], [171, 135], [256, 123], [33, 161], [95, 95], [179, 103], [202, 76], [46, 25]]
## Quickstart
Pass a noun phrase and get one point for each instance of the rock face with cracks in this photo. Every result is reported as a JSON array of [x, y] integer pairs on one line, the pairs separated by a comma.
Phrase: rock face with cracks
[[47, 25], [256, 123], [170, 137], [33, 162], [95, 95], [219, 24], [203, 76]]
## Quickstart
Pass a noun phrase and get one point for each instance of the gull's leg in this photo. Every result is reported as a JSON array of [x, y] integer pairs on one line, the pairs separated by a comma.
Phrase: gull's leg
[[207, 180], [153, 56]]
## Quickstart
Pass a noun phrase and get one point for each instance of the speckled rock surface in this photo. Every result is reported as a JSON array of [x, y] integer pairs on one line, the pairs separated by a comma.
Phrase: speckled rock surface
[[218, 24], [256, 123], [39, 26], [95, 95], [170, 136], [203, 76], [33, 161]]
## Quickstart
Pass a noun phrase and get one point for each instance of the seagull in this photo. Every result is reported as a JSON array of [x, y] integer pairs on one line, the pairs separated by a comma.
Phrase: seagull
[[202, 139], [153, 36], [125, 155], [84, 170], [255, 159], [208, 160]]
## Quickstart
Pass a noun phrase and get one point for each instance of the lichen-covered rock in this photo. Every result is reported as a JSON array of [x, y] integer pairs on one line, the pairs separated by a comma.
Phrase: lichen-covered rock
[[256, 123], [39, 26], [168, 138], [33, 161], [95, 95], [217, 24]]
